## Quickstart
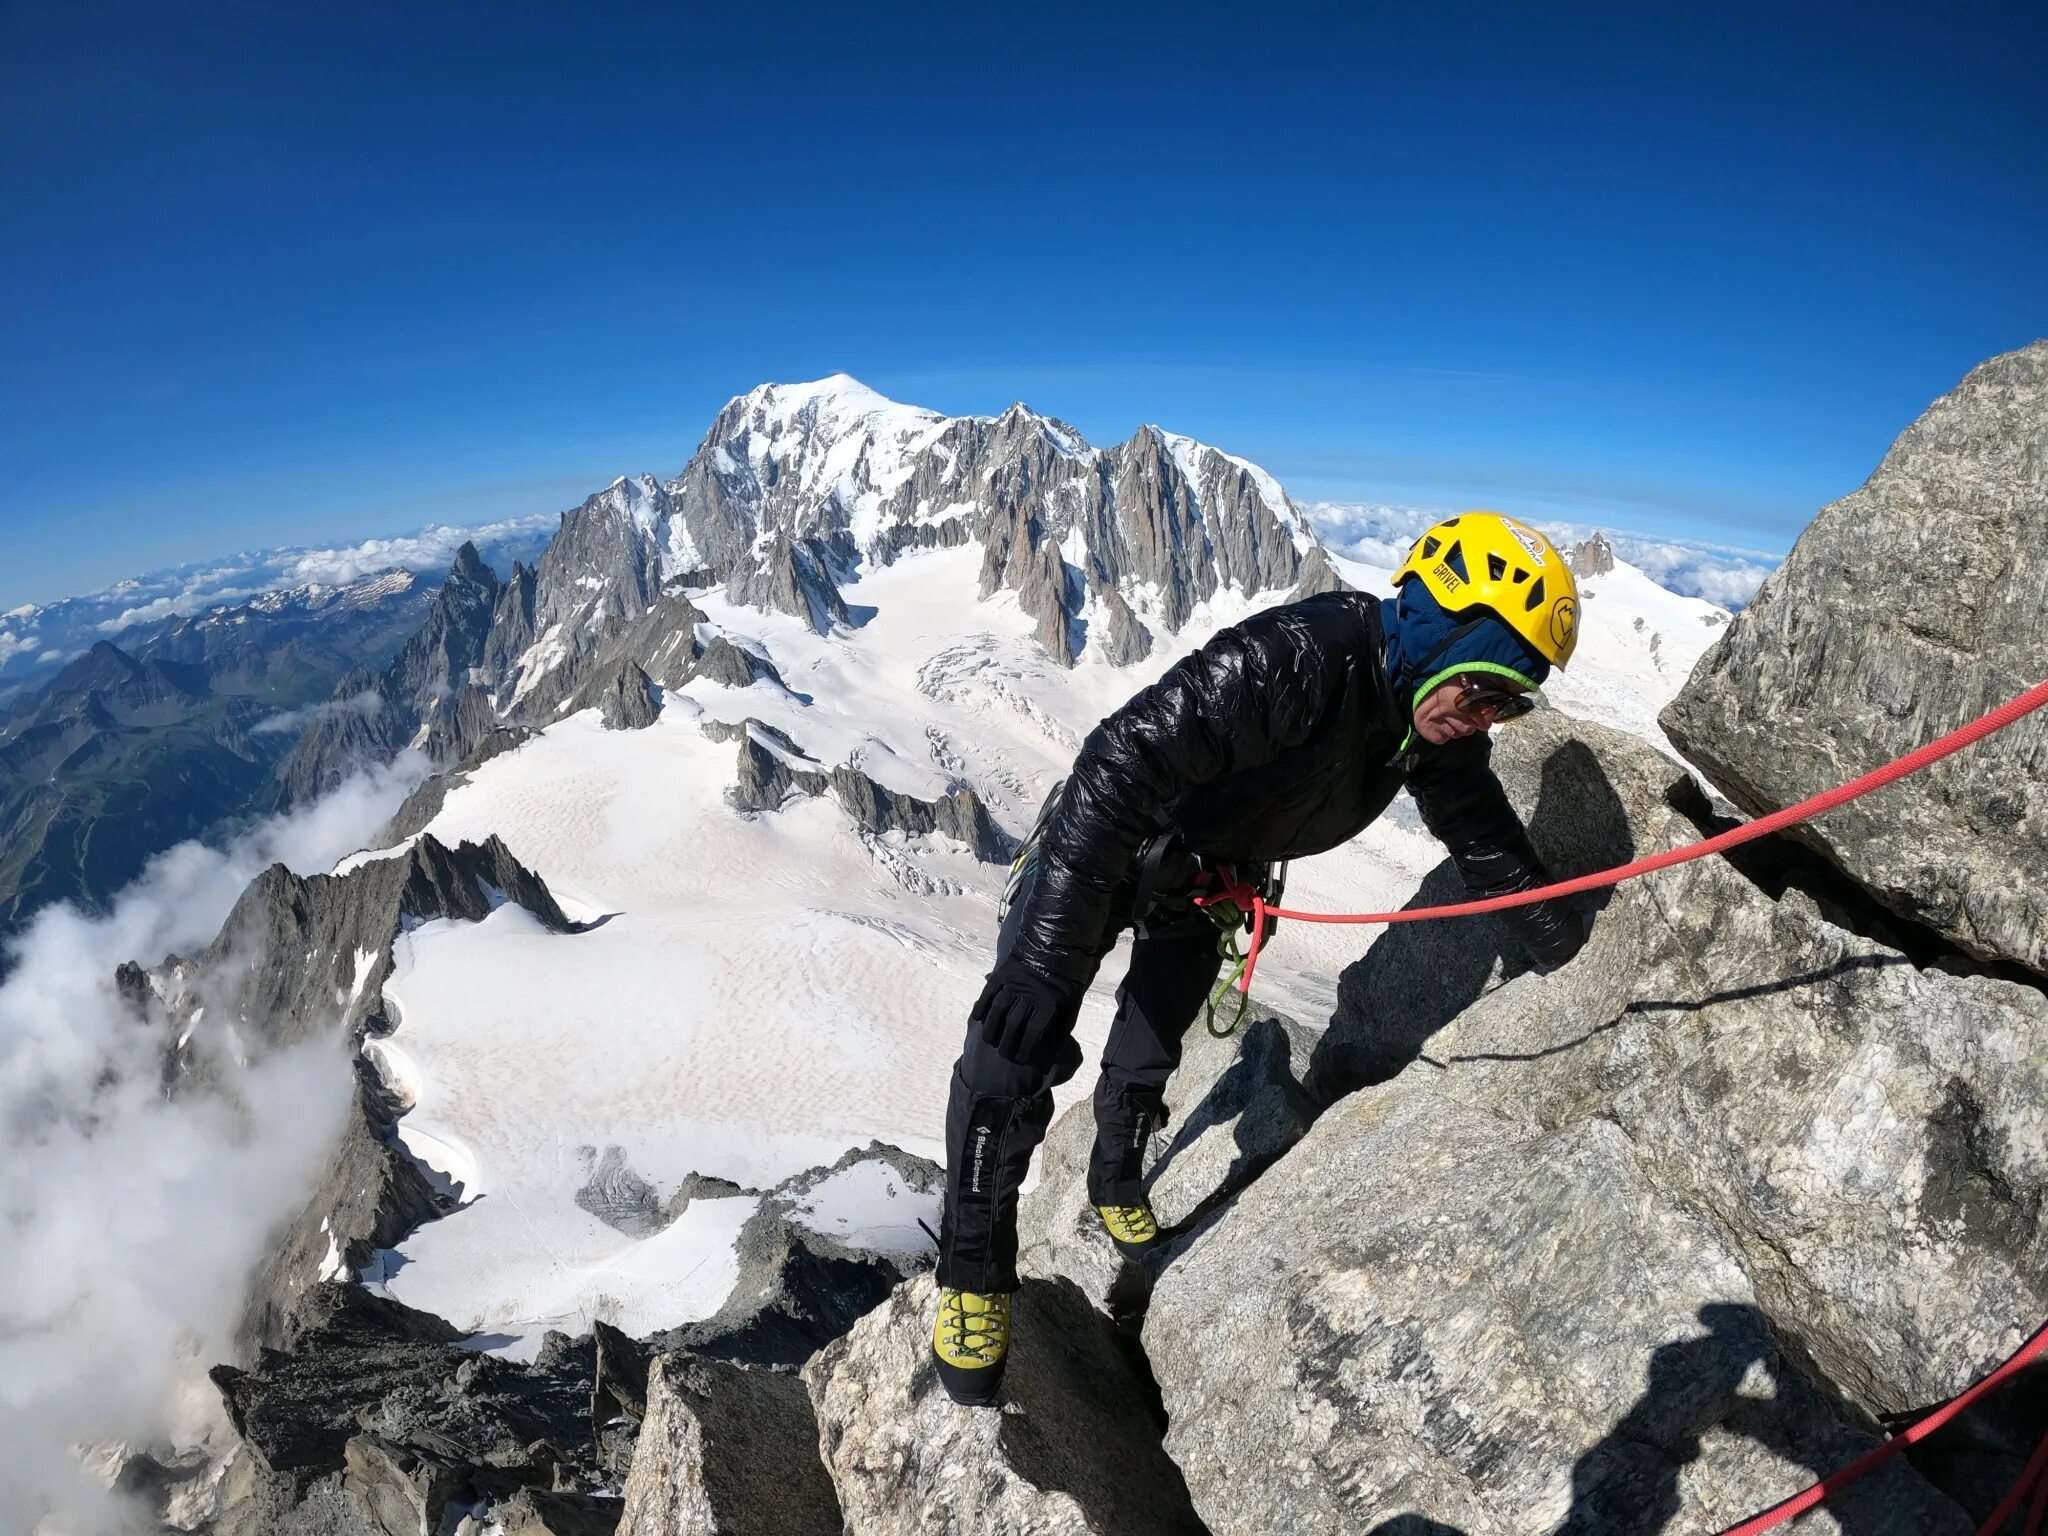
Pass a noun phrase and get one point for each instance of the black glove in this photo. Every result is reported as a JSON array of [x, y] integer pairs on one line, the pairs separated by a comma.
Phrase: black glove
[[1021, 1011]]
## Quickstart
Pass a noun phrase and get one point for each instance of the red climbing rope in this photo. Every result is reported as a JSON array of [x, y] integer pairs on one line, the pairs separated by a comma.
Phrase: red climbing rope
[[1248, 898], [2034, 1478], [1799, 1503]]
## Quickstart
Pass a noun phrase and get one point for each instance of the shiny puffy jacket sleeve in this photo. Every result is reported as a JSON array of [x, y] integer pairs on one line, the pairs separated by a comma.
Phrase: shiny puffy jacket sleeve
[[1252, 692], [1463, 804]]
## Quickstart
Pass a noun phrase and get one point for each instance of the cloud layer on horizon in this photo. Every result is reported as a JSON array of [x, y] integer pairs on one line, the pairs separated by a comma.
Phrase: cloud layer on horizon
[[38, 634]]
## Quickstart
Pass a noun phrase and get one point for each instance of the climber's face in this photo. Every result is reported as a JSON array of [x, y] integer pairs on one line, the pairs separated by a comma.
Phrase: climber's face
[[1468, 706]]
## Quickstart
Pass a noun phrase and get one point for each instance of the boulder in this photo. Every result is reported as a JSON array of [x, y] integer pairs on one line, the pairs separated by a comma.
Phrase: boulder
[[1232, 1108], [727, 1450], [1857, 1126], [1073, 1452], [1433, 1311], [1906, 609]]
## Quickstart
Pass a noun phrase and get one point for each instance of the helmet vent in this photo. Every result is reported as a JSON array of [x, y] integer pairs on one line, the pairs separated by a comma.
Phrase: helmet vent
[[1449, 522], [1520, 575], [1430, 546], [1535, 596], [1454, 557], [1496, 568]]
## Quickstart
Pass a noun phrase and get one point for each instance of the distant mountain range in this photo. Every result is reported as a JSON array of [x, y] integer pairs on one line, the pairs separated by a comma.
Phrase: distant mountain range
[[128, 723], [38, 638], [133, 747]]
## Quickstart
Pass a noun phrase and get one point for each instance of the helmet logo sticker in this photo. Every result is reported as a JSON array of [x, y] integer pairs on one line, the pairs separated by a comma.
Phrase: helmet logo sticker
[[1450, 578], [1530, 539], [1564, 618]]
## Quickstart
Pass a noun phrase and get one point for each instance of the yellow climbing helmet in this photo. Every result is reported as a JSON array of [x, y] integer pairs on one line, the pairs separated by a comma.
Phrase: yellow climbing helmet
[[1485, 560]]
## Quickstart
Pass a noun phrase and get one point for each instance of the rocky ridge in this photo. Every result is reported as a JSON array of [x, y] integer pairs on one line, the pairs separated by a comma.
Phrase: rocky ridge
[[1934, 565], [426, 697]]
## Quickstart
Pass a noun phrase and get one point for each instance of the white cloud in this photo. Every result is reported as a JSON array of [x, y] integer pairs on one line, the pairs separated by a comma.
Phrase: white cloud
[[191, 599], [365, 704], [129, 1222], [13, 645], [72, 623], [430, 549]]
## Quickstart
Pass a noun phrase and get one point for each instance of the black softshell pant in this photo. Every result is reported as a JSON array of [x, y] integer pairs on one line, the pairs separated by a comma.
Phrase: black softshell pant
[[998, 1109]]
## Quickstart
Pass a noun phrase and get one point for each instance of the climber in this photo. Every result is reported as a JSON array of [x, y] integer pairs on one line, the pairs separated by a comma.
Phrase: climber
[[1284, 736]]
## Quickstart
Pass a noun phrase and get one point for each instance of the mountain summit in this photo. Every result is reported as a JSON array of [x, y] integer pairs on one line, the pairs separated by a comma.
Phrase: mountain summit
[[798, 487]]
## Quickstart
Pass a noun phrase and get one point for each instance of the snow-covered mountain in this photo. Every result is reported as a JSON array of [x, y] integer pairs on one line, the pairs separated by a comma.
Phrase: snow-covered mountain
[[798, 488], [855, 639]]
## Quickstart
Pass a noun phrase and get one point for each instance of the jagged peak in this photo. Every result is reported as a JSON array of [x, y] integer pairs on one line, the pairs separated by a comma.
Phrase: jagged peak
[[469, 565]]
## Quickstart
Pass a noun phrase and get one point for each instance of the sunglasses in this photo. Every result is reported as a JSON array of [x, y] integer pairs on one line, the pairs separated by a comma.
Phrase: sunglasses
[[1476, 697]]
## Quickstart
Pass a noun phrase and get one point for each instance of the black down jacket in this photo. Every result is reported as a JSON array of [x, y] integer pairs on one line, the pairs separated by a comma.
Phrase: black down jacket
[[1281, 737]]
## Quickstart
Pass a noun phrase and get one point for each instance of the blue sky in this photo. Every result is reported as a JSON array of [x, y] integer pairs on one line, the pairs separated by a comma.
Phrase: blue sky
[[272, 276]]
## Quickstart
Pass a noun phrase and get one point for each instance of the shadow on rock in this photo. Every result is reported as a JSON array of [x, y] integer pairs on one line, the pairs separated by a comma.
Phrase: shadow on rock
[[1256, 1101], [1628, 1484], [1417, 977], [1087, 1363]]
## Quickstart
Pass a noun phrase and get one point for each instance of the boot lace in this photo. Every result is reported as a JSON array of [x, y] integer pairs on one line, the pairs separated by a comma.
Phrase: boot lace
[[979, 1333], [1130, 1223]]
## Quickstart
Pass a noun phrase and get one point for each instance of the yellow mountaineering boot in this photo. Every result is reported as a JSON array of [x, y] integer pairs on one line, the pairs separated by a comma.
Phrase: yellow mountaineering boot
[[969, 1342], [1133, 1228]]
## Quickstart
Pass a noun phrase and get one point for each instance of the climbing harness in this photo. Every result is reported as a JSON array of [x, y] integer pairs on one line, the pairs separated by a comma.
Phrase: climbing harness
[[1239, 906]]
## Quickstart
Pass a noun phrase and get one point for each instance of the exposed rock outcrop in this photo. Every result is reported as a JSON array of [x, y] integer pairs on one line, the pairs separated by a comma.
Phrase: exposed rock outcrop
[[1318, 576], [805, 1275], [1591, 557], [626, 700], [727, 1450], [374, 1416], [724, 662], [792, 576], [1076, 1452], [304, 958], [1430, 1310], [770, 771], [1125, 639], [1234, 1107], [1729, 1064], [1907, 608]]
